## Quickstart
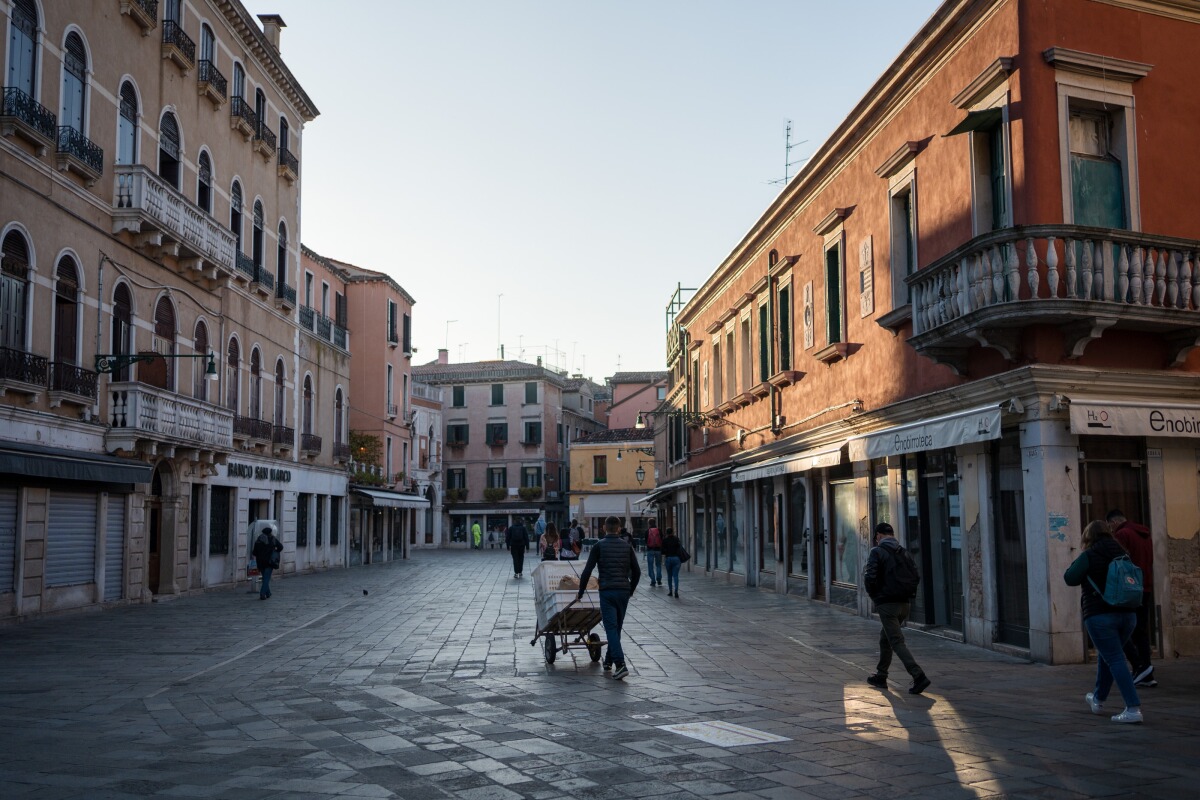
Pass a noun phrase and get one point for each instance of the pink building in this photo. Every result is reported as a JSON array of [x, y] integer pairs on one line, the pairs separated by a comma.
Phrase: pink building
[[635, 394]]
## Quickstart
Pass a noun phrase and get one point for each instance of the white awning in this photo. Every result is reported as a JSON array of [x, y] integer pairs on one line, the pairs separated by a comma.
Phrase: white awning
[[962, 427], [605, 505], [828, 456], [1094, 416], [381, 498]]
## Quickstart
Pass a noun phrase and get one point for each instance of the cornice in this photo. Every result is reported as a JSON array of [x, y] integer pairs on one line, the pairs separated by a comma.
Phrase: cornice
[[984, 83], [1107, 67], [897, 160], [270, 59]]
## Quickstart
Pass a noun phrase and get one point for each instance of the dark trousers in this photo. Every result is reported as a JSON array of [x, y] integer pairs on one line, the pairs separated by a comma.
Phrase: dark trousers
[[613, 603], [1137, 649], [518, 560], [892, 616]]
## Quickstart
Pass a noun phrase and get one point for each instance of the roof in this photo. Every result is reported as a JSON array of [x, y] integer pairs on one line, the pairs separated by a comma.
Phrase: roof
[[435, 373], [617, 435], [351, 273], [638, 377]]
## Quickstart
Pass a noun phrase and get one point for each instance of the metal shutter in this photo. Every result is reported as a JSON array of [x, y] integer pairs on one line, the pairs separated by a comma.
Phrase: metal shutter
[[8, 537], [114, 548], [71, 539]]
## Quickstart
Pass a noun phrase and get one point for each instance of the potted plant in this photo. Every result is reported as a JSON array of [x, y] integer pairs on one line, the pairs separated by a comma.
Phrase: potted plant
[[494, 494], [530, 492]]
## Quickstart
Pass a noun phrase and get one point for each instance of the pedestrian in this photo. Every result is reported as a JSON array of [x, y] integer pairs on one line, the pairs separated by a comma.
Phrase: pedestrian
[[491, 539], [654, 554], [618, 575], [671, 548], [571, 543], [476, 535], [539, 528], [552, 542], [266, 554], [1109, 627], [516, 538], [891, 579], [626, 535], [1135, 539]]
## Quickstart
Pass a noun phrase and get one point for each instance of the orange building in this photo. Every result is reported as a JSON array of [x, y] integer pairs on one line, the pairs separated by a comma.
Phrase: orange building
[[973, 314]]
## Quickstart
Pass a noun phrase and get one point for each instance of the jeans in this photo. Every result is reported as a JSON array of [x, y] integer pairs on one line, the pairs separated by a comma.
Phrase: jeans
[[1137, 649], [265, 590], [1109, 633], [673, 564], [518, 557], [613, 603], [654, 565], [891, 639]]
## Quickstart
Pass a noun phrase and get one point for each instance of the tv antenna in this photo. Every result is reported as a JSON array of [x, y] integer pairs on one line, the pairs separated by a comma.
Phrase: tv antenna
[[787, 155]]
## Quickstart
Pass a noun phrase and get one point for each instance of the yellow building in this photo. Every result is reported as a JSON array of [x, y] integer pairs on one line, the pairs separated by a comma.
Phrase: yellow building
[[611, 471]]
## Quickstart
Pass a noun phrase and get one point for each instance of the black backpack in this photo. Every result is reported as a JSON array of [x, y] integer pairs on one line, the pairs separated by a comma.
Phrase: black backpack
[[901, 577]]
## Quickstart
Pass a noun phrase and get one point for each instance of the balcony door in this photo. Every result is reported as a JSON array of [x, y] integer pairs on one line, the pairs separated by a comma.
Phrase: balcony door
[[66, 313], [1097, 176], [22, 46]]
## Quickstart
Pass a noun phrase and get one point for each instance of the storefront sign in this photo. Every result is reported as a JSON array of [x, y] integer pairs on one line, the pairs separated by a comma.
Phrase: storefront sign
[[237, 470], [1115, 418], [964, 427]]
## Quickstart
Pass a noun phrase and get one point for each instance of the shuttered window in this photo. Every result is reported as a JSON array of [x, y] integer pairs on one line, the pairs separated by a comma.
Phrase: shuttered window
[[8, 538], [218, 521], [114, 548], [231, 376], [14, 286], [71, 539], [66, 312]]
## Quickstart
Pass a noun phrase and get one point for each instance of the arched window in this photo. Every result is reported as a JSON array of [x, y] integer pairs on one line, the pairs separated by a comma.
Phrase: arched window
[[73, 81], [338, 411], [232, 356], [164, 336], [255, 410], [257, 244], [308, 404], [168, 149], [171, 11], [260, 111], [204, 182], [127, 131], [14, 291], [22, 47], [280, 408], [281, 257], [208, 49], [122, 328], [200, 347], [283, 135], [235, 213], [66, 312], [239, 81]]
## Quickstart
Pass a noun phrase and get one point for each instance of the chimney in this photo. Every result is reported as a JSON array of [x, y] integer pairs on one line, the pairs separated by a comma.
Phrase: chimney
[[443, 355], [272, 23], [539, 361]]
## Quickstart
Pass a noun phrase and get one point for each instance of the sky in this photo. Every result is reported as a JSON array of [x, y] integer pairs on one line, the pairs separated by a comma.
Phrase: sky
[[544, 174]]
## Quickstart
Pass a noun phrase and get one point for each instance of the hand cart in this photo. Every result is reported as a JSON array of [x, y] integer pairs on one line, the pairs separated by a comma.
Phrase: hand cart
[[561, 614]]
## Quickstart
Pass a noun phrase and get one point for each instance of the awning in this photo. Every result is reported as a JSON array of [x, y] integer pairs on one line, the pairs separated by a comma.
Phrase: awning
[[829, 456], [694, 478], [977, 121], [18, 458], [381, 498], [962, 427], [604, 505], [1094, 416]]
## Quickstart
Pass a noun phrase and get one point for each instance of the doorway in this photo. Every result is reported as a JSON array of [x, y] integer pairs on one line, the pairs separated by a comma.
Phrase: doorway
[[934, 536]]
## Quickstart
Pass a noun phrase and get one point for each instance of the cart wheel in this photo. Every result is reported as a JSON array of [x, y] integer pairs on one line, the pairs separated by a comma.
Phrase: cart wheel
[[594, 648], [551, 649]]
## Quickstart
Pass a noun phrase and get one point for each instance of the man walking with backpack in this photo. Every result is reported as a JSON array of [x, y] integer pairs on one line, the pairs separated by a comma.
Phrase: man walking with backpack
[[618, 575], [891, 579]]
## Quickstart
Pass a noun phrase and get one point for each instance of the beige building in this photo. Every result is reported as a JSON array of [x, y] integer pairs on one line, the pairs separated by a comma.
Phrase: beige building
[[156, 391], [612, 471]]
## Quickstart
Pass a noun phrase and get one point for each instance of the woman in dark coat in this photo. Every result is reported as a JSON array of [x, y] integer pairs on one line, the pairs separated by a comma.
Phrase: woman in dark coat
[[670, 552]]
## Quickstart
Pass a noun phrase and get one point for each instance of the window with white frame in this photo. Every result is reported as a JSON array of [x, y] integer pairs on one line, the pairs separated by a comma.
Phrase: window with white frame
[[902, 245], [835, 288]]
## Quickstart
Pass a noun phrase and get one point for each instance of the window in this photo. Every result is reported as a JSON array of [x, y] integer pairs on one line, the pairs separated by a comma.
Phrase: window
[[764, 343], [747, 362], [531, 392], [903, 213], [74, 79], [260, 112], [308, 405], [497, 477], [121, 339], [324, 299], [66, 312], [391, 406], [457, 433], [239, 82], [387, 458], [204, 182], [171, 11], [302, 502], [235, 214], [599, 469], [255, 410], [497, 394], [533, 433], [283, 135], [559, 428], [730, 366], [319, 528], [497, 433], [257, 244], [127, 125], [458, 396], [531, 476], [1098, 196], [280, 406], [835, 293], [661, 394], [392, 337], [14, 291], [338, 411], [199, 365], [231, 375], [169, 150], [219, 506], [208, 45], [162, 373], [784, 314], [308, 289], [456, 479], [22, 47], [406, 332], [281, 270], [991, 178]]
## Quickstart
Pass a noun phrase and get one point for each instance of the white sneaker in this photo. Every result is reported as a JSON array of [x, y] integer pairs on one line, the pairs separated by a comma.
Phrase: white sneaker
[[1143, 675], [1095, 705], [1129, 715]]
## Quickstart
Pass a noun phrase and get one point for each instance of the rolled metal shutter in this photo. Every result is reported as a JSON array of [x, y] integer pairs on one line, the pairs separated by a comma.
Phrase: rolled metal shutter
[[71, 539], [114, 548], [8, 538]]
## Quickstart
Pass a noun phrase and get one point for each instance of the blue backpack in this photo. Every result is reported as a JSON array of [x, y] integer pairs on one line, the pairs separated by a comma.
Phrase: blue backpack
[[1122, 585]]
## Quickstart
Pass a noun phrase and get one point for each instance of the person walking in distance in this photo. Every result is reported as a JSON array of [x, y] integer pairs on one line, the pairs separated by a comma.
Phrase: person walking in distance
[[671, 547], [891, 579], [1135, 539], [476, 535], [654, 555], [618, 574], [516, 538], [551, 543], [266, 556]]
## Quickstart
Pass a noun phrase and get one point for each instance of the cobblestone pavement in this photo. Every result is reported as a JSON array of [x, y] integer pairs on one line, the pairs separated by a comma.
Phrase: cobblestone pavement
[[416, 680]]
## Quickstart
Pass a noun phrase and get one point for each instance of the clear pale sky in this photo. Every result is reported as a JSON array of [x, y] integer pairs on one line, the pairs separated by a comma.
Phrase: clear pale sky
[[581, 159]]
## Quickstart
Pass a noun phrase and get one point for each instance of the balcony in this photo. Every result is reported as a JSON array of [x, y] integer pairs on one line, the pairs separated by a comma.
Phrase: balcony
[[71, 385], [253, 430], [22, 373], [289, 167], [1080, 280], [283, 439], [177, 46], [341, 452], [392, 339], [245, 267], [211, 83], [264, 141], [148, 420], [285, 296], [392, 410], [310, 445], [79, 154], [263, 282], [163, 221], [143, 12], [24, 117], [242, 117]]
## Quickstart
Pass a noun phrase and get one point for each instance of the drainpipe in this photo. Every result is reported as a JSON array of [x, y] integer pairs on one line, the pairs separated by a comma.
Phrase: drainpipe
[[99, 318]]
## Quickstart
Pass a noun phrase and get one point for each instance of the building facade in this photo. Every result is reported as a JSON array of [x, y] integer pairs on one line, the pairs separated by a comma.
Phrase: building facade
[[611, 472], [428, 431], [634, 394], [973, 314]]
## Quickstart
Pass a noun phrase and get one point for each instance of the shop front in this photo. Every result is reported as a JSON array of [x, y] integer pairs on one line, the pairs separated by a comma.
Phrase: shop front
[[381, 522]]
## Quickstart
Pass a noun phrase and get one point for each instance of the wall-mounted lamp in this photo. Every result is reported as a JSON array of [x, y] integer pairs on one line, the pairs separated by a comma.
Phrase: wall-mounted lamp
[[640, 472], [696, 419], [114, 362]]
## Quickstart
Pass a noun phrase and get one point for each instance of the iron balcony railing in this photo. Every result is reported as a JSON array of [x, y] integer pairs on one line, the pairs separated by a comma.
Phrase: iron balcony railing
[[392, 410], [72, 379], [245, 265], [17, 365], [262, 276], [288, 161], [306, 318], [339, 336], [212, 76], [341, 451], [310, 443], [283, 436], [238, 107], [23, 107], [265, 135], [285, 293], [74, 143], [392, 337], [149, 6], [173, 35], [252, 428], [324, 327]]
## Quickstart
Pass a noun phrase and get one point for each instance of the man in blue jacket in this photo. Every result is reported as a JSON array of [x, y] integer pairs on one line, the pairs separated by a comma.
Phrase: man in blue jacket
[[618, 575]]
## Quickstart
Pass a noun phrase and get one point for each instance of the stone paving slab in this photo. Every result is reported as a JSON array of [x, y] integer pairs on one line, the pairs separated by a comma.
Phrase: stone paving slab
[[427, 687]]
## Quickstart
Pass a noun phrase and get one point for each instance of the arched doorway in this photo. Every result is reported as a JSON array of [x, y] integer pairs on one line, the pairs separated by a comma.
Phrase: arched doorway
[[154, 522]]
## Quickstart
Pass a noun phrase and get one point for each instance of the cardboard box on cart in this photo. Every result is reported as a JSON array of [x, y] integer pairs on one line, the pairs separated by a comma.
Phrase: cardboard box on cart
[[550, 598]]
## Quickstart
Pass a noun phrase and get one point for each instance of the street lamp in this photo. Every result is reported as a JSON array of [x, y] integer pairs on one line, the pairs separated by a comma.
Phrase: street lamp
[[109, 363], [640, 472]]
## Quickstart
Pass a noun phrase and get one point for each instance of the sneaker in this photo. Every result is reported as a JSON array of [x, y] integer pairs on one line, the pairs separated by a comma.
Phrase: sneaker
[[877, 680], [920, 684], [1149, 683], [608, 666], [1095, 705], [1142, 674], [622, 672], [1131, 716]]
